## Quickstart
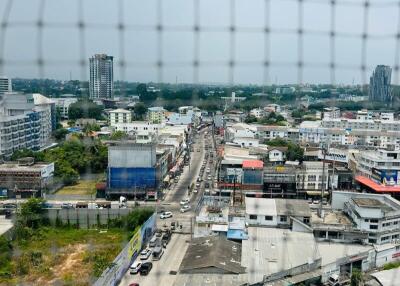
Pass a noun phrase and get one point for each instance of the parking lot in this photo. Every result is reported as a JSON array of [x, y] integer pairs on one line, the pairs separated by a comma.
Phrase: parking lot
[[160, 273]]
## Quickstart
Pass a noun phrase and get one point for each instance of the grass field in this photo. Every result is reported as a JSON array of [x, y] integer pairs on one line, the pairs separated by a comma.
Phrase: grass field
[[83, 187], [62, 256]]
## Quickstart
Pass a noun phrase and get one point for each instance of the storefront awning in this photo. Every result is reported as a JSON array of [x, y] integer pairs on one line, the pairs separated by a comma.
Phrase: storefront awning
[[317, 193]]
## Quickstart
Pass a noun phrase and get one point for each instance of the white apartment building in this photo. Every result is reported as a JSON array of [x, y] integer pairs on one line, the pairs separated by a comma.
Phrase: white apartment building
[[19, 124], [378, 215], [45, 107], [156, 114], [357, 124], [331, 113], [138, 127], [258, 113], [63, 104], [120, 116], [272, 132]]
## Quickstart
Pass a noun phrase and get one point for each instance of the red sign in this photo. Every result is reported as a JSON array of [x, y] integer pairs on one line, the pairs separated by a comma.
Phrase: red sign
[[395, 255]]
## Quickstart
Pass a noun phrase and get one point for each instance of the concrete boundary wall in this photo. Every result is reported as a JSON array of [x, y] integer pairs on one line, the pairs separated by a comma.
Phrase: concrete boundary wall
[[86, 218]]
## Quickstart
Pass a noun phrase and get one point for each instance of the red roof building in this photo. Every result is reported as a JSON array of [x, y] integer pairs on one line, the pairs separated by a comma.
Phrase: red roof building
[[253, 164], [379, 188]]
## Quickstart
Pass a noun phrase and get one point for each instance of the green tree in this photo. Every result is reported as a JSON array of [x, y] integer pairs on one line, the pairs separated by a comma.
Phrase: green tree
[[141, 89], [85, 109], [37, 155], [117, 135], [356, 278], [59, 134], [295, 152], [140, 109], [250, 119], [32, 213]]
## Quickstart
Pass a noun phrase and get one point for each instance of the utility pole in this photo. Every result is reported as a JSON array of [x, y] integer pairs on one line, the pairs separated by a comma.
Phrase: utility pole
[[323, 181]]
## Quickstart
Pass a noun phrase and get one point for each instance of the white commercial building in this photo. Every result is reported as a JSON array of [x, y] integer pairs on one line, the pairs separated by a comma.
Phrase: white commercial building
[[378, 215], [276, 212], [310, 176], [382, 165], [120, 116]]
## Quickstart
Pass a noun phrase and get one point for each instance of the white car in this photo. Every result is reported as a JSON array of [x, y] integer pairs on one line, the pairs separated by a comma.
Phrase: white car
[[145, 254], [165, 215], [207, 191], [135, 267], [185, 208], [184, 202]]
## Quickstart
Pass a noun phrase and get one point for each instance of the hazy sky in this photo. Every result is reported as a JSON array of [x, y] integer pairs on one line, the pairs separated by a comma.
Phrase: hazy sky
[[61, 42]]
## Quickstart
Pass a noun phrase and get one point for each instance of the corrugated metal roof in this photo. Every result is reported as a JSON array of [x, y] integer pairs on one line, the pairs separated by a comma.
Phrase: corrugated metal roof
[[377, 187], [253, 164]]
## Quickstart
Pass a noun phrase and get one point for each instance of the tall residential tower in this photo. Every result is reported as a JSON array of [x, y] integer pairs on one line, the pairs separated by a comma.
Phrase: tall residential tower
[[5, 85], [101, 83], [379, 84]]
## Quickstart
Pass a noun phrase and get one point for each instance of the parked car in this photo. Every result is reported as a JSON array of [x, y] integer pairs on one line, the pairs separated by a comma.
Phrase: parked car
[[134, 284], [135, 267], [153, 241], [184, 202], [145, 254], [185, 208], [66, 206], [145, 268], [158, 232], [165, 215], [166, 238]]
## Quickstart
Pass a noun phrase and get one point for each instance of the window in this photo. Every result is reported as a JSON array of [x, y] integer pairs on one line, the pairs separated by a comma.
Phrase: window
[[372, 240], [283, 219], [385, 238], [306, 220], [252, 216], [366, 220], [268, 217], [395, 236], [373, 220], [386, 224], [371, 226]]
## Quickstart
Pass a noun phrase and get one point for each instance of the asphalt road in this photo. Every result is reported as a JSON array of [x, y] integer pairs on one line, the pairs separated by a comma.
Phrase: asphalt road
[[160, 273], [189, 175]]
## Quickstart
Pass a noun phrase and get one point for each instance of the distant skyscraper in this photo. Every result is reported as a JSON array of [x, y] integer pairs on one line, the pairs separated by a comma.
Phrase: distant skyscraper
[[379, 84], [101, 83], [5, 85]]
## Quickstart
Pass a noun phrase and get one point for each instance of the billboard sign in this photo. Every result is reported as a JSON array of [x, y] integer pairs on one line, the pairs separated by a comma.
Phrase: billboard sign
[[135, 244], [385, 177], [148, 228], [333, 154]]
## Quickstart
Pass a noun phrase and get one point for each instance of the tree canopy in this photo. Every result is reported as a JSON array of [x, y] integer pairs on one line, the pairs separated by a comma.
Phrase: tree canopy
[[85, 109]]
